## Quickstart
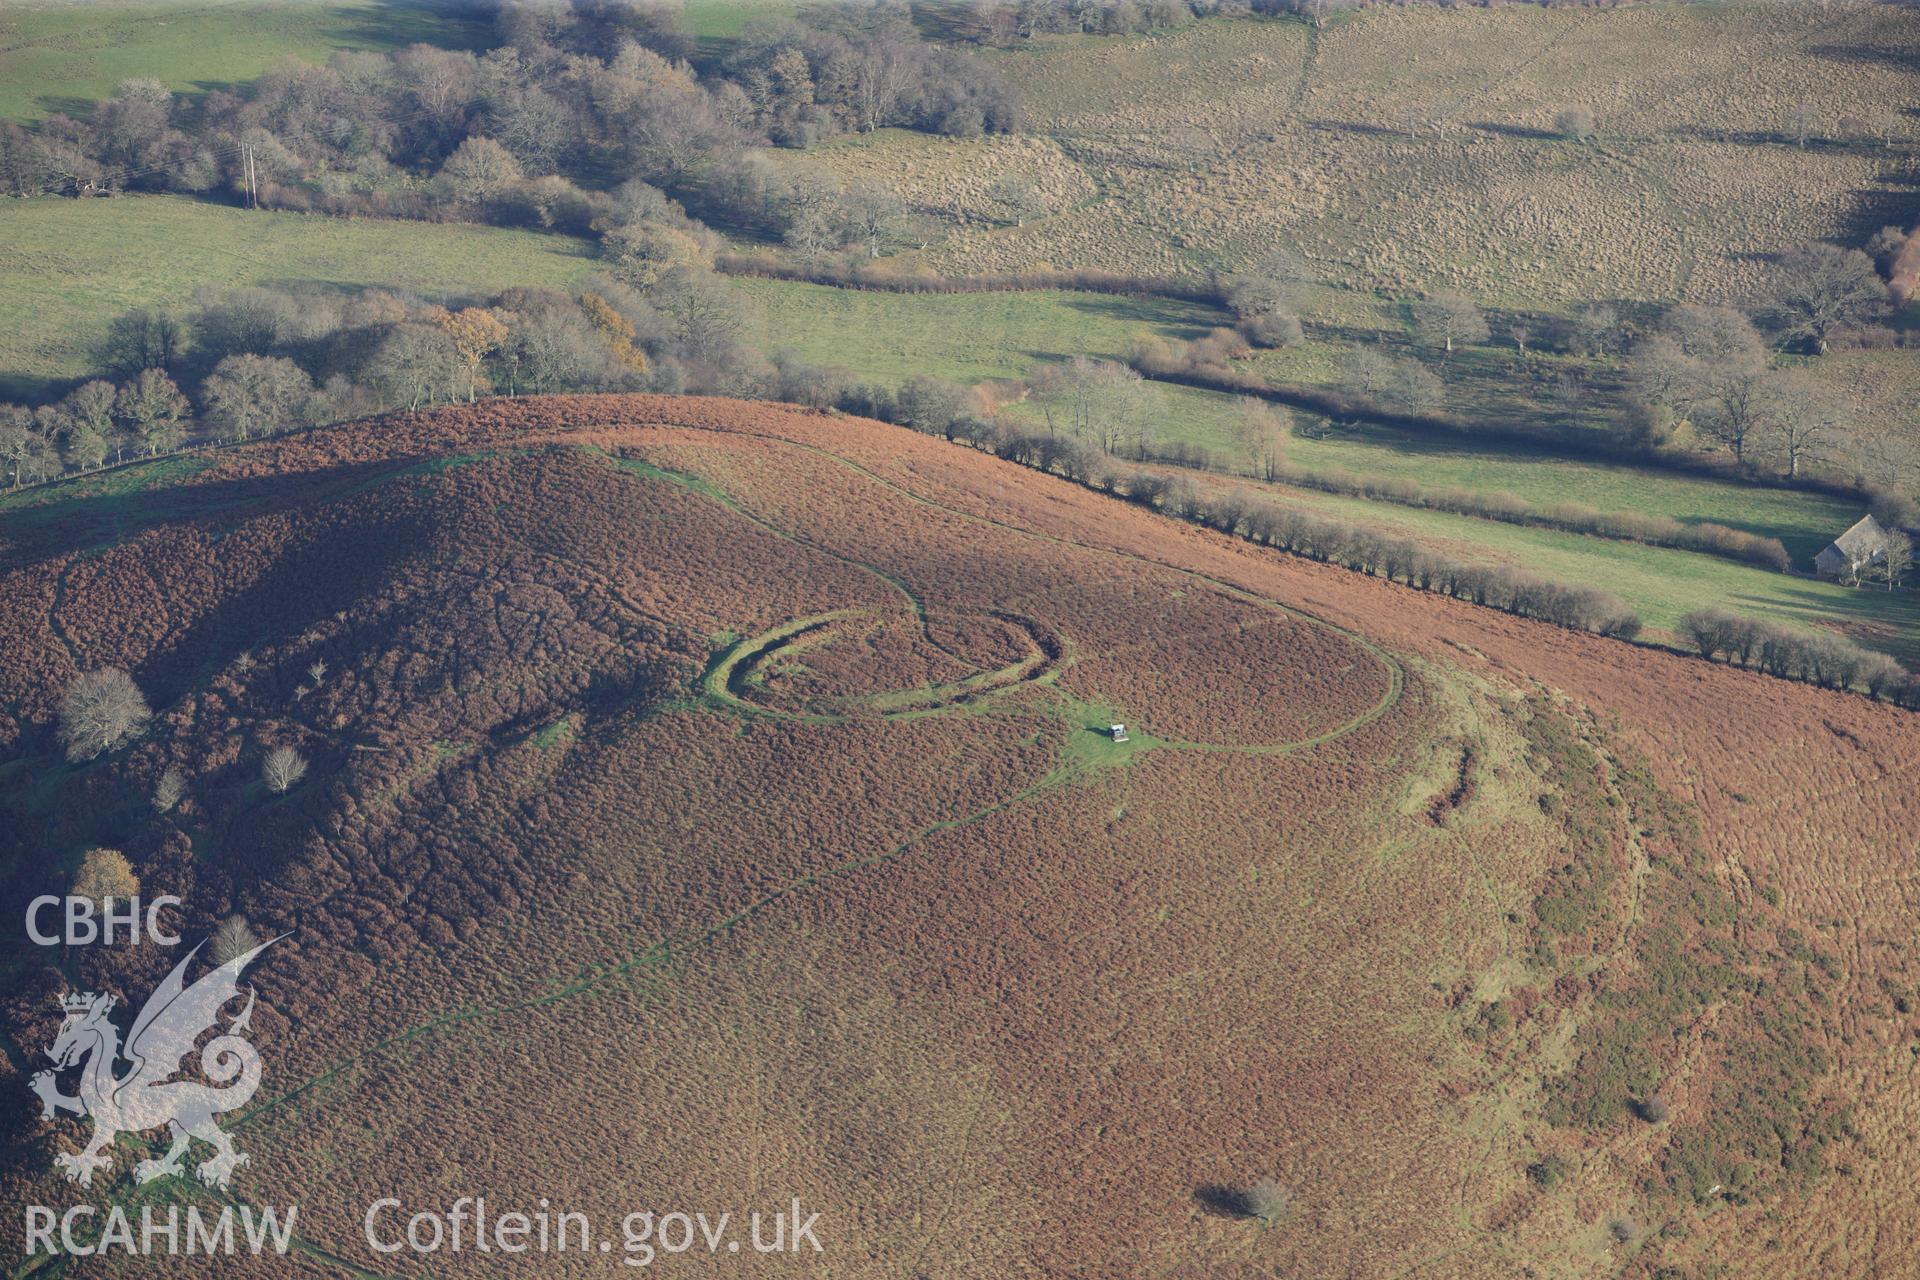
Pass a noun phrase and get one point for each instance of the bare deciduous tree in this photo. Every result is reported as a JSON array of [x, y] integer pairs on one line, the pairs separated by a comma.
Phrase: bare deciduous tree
[[479, 171], [552, 350], [1264, 431], [1713, 333], [1102, 401], [169, 790], [1708, 365], [1804, 420], [873, 216], [535, 126], [1276, 328], [1020, 196], [86, 449], [88, 424], [1273, 284], [102, 711], [1593, 330], [249, 320], [1567, 393], [144, 338], [813, 233], [1897, 563], [645, 250], [250, 395], [1659, 374], [91, 404], [932, 405], [24, 451], [233, 939], [282, 768], [1739, 405], [1709, 630], [1413, 388], [414, 364], [1801, 123], [1365, 369], [1447, 318], [152, 407], [1884, 453], [1817, 287], [703, 311], [671, 131]]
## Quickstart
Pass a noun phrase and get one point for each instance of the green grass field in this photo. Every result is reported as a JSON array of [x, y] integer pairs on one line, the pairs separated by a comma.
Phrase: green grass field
[[67, 267], [1660, 584], [72, 265], [964, 336], [968, 337], [712, 21], [58, 57], [1804, 522]]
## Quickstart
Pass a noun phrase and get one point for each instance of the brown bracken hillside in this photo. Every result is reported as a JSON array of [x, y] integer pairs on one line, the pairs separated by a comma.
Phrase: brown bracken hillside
[[712, 804]]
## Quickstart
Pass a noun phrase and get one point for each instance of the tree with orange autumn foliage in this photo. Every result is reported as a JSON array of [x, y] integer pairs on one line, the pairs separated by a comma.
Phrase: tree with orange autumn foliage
[[476, 333], [616, 329]]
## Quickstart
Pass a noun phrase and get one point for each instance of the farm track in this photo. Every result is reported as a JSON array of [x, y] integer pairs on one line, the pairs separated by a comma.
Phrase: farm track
[[663, 954]]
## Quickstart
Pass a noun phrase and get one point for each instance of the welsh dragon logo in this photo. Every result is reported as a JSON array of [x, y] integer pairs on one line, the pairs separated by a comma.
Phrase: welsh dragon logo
[[146, 1096]]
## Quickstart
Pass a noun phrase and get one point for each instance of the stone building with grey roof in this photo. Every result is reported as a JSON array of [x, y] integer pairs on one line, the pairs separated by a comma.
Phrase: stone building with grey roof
[[1859, 549]]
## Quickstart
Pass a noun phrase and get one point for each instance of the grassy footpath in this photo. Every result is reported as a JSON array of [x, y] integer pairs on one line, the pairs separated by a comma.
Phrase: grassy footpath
[[58, 57], [67, 267]]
